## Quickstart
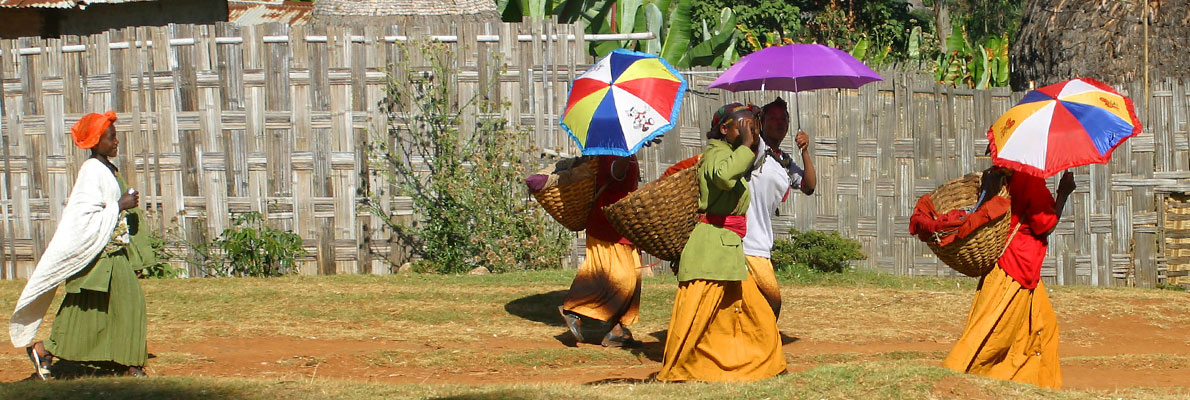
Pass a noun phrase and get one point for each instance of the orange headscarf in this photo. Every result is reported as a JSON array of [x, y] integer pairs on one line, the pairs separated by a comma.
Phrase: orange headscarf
[[90, 128]]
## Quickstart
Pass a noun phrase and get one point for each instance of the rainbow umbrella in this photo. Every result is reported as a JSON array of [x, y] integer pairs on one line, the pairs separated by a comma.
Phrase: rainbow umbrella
[[625, 100], [1063, 125]]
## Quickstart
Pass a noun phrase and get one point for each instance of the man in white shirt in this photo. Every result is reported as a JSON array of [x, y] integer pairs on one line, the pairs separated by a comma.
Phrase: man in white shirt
[[773, 177]]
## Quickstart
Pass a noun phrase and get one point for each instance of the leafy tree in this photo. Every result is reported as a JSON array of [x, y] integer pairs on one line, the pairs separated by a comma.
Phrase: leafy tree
[[465, 180]]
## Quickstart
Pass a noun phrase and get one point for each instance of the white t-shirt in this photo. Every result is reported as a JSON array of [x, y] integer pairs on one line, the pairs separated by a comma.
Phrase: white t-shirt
[[769, 187]]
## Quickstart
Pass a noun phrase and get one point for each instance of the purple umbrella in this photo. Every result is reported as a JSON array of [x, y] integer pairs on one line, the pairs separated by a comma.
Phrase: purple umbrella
[[795, 68]]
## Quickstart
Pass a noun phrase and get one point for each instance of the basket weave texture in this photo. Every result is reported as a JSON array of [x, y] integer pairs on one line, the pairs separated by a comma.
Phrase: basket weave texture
[[659, 217], [571, 194], [977, 253]]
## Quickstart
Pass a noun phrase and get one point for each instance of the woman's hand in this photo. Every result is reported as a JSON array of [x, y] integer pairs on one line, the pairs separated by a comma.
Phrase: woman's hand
[[129, 200], [802, 140], [747, 131], [1066, 184]]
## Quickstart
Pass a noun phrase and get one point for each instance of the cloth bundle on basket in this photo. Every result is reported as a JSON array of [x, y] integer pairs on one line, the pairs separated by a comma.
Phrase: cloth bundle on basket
[[968, 242], [659, 217], [566, 190]]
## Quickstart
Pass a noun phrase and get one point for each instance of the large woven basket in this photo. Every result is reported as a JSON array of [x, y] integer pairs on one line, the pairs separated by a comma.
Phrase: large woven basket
[[571, 193], [659, 217], [977, 253]]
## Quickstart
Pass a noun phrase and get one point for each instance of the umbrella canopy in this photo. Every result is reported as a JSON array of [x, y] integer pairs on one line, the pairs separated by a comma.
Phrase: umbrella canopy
[[1063, 125], [795, 68], [625, 100]]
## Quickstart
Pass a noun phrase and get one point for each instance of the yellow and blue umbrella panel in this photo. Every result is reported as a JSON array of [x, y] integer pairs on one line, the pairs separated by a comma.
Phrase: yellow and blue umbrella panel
[[623, 101], [1064, 125]]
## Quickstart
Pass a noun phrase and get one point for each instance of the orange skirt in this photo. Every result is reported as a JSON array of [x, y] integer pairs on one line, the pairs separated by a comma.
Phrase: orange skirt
[[1011, 334], [607, 285], [721, 331], [766, 281]]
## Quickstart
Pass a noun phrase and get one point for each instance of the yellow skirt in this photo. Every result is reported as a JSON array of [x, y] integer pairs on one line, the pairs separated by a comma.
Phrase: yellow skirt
[[1011, 334], [607, 285], [766, 281], [721, 331]]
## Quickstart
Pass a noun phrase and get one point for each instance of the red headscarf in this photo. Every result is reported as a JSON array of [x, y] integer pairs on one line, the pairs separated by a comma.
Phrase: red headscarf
[[90, 128]]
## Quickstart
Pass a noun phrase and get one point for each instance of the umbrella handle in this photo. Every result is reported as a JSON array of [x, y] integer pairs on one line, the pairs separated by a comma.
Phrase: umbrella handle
[[797, 104]]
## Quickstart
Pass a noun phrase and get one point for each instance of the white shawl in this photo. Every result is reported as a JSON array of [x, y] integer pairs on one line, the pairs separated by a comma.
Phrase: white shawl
[[86, 226]]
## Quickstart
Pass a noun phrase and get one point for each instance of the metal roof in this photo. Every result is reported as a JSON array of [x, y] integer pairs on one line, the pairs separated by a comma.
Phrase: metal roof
[[381, 8], [58, 3], [245, 13]]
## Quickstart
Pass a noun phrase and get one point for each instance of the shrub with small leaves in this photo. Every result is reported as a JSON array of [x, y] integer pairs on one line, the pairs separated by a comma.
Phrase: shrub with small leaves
[[462, 164], [162, 269], [822, 251], [251, 248]]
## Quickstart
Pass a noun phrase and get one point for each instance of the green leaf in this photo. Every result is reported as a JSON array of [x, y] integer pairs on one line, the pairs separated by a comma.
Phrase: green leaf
[[1000, 59], [510, 10], [653, 22], [537, 8], [677, 36], [861, 49], [710, 51], [957, 41], [979, 69], [568, 11], [915, 38], [626, 9]]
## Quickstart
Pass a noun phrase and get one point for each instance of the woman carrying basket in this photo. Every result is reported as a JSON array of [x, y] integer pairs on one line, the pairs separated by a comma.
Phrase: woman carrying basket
[[606, 288], [1011, 331], [722, 328]]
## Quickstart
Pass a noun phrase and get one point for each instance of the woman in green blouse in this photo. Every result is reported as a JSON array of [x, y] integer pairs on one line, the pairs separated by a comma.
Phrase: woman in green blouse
[[722, 328]]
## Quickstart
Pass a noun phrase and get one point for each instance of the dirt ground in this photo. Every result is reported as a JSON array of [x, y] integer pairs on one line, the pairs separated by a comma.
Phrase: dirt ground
[[1126, 353]]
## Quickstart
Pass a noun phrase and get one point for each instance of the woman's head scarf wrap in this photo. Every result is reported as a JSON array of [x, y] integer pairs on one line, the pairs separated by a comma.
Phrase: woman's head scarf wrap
[[727, 113], [87, 131]]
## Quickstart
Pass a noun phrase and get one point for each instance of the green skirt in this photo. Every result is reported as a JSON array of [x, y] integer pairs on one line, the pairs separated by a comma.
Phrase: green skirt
[[102, 317]]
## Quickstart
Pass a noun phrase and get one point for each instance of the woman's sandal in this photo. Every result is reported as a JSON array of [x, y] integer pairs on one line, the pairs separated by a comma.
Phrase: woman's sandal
[[574, 323], [623, 340], [138, 372], [611, 340], [41, 363]]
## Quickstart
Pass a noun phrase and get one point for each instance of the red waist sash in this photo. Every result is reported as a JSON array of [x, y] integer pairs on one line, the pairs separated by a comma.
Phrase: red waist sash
[[735, 223]]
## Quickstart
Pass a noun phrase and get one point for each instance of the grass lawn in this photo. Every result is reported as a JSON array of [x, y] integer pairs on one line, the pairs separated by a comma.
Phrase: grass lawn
[[856, 335]]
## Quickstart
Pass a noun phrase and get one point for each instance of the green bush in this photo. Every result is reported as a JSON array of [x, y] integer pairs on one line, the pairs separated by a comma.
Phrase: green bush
[[465, 179], [162, 269], [251, 248], [821, 251]]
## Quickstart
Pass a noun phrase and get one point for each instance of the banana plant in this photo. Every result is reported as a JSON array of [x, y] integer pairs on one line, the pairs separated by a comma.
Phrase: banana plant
[[677, 35], [979, 66], [717, 48]]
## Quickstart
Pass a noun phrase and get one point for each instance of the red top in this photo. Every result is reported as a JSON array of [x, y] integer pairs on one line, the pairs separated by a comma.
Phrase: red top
[[1033, 208], [597, 224]]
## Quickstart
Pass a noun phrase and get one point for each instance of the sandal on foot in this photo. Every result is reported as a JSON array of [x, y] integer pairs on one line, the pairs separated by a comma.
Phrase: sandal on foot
[[612, 340], [573, 323], [138, 372], [40, 365]]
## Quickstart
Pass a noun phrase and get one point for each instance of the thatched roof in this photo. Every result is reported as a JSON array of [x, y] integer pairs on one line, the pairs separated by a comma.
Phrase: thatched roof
[[1063, 39], [399, 11]]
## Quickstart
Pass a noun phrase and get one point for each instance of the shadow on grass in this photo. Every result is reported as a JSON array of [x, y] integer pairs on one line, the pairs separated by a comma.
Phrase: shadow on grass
[[613, 381], [541, 307], [117, 388], [656, 350]]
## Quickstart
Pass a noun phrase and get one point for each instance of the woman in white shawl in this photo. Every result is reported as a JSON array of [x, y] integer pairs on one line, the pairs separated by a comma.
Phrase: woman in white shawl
[[95, 251]]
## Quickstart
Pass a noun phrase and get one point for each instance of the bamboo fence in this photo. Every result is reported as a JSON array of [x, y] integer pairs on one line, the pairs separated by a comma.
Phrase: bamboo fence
[[219, 119]]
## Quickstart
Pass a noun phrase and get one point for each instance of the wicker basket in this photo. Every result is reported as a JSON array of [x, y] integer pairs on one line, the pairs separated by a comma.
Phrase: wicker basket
[[977, 253], [659, 217], [571, 192]]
